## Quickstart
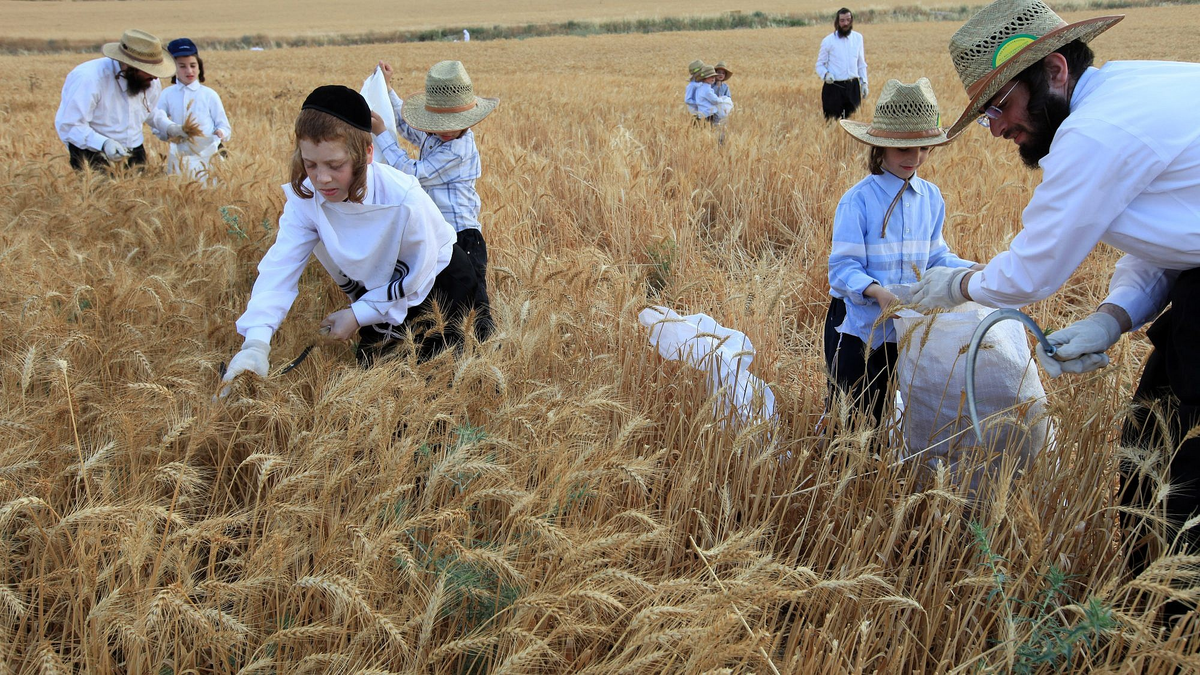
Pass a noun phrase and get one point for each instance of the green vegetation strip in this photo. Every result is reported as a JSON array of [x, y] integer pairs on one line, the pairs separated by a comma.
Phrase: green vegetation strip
[[727, 21]]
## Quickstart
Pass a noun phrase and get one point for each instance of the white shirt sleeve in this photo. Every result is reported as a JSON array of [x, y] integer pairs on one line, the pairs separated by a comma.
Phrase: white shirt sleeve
[[862, 61], [419, 253], [220, 121], [158, 121], [279, 274], [1089, 178], [161, 134], [1139, 288], [823, 60], [80, 94]]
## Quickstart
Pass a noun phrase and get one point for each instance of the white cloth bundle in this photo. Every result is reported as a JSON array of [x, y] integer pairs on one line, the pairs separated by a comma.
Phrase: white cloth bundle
[[931, 379], [724, 106], [726, 354], [193, 157], [375, 90]]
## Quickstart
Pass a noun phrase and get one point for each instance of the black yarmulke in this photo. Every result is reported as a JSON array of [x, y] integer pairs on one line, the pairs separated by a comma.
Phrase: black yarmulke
[[343, 103]]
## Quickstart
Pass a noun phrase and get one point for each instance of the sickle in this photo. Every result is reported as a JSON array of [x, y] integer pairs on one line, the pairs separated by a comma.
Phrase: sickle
[[977, 341]]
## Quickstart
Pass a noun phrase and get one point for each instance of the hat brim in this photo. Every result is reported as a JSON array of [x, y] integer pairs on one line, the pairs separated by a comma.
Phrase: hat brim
[[1035, 51], [415, 115], [728, 73], [861, 131], [164, 68]]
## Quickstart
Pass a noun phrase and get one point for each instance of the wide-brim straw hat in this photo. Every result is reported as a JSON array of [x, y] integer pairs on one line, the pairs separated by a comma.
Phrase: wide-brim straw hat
[[706, 72], [906, 116], [721, 66], [695, 67], [140, 50], [448, 103], [1005, 38]]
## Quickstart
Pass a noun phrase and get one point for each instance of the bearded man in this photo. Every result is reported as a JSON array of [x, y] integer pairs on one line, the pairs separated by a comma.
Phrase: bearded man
[[106, 101], [1119, 149], [842, 64]]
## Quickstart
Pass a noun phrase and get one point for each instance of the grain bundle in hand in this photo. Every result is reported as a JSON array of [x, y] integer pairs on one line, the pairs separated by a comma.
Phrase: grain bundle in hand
[[191, 129]]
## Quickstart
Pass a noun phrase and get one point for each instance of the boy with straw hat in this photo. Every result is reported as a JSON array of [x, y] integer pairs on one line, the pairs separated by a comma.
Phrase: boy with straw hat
[[721, 87], [438, 122], [1119, 150], [885, 228], [694, 81], [106, 101], [704, 105]]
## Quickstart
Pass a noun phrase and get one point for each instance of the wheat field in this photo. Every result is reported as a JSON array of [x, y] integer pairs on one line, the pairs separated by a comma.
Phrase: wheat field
[[558, 499]]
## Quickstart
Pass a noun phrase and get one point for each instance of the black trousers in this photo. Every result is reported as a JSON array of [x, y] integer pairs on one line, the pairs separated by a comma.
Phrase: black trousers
[[97, 160], [456, 292], [471, 242], [860, 375], [1171, 384], [840, 98]]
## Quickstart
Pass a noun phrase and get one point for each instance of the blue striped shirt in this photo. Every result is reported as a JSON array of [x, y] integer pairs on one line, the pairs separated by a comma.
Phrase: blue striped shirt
[[447, 170], [860, 257]]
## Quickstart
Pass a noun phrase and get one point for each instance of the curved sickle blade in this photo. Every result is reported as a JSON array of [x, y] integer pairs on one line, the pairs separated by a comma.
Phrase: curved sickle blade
[[973, 351]]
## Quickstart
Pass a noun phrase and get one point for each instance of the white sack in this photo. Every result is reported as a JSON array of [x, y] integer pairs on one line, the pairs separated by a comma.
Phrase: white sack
[[724, 106], [931, 378], [193, 157], [726, 354], [375, 90]]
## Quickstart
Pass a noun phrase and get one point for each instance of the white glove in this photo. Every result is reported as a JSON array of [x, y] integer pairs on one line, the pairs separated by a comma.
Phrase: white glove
[[175, 132], [252, 358], [114, 150], [828, 78], [864, 90], [1079, 348], [940, 287]]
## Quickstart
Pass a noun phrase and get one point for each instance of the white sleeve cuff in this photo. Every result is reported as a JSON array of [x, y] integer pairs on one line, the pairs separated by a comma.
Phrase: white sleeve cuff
[[365, 314]]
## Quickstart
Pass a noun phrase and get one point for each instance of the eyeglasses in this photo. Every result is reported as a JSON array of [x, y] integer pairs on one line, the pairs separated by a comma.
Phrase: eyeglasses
[[993, 112]]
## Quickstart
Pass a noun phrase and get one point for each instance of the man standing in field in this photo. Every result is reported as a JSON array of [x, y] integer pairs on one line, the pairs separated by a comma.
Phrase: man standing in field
[[1119, 150], [106, 101], [842, 64]]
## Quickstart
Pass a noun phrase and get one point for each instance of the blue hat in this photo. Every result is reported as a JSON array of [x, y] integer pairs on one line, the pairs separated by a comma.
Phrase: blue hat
[[182, 47]]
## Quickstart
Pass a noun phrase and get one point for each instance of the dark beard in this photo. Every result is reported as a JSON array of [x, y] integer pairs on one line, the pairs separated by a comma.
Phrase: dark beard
[[845, 33], [1047, 112], [134, 84]]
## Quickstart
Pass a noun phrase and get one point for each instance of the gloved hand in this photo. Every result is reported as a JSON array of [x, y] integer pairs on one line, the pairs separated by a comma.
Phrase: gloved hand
[[829, 78], [939, 287], [114, 150], [1079, 348], [864, 90], [175, 132], [252, 358]]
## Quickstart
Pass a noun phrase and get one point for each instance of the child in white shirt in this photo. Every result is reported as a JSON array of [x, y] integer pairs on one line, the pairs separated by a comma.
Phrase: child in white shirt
[[374, 230], [185, 98]]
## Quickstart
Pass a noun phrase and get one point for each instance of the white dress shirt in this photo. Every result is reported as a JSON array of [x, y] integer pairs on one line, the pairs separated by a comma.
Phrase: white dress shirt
[[843, 57], [393, 245], [203, 103], [95, 107], [1124, 169]]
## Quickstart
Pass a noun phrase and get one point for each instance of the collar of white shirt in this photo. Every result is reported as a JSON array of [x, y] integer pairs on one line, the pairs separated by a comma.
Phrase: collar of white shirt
[[194, 86]]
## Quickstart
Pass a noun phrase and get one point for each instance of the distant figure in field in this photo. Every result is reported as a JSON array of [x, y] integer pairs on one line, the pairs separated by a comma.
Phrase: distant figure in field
[[689, 94], [702, 100], [842, 64], [106, 101], [466, 36], [723, 74], [1119, 151]]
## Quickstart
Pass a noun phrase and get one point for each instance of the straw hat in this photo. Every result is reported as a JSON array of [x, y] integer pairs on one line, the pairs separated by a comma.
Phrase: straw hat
[[706, 72], [906, 116], [695, 67], [448, 103], [1005, 38], [721, 66], [140, 50]]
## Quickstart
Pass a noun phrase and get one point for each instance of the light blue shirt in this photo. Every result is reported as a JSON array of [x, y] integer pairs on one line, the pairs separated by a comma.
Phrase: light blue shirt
[[447, 170], [860, 256], [705, 100], [689, 95], [721, 89]]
